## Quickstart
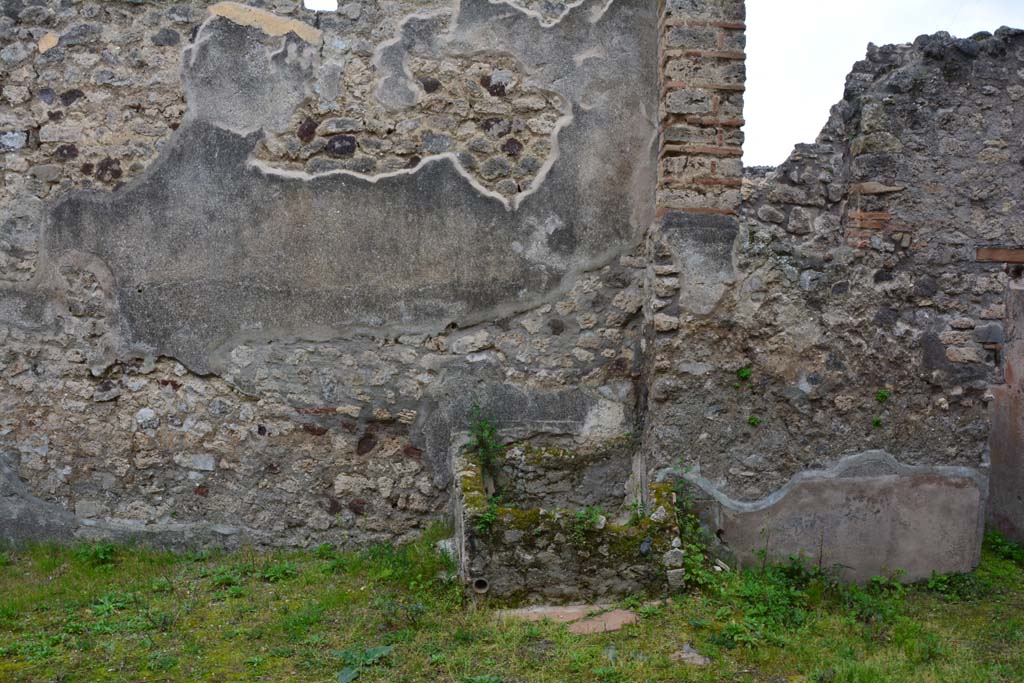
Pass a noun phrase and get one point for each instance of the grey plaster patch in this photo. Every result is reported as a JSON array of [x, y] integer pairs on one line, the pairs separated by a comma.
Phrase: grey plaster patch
[[868, 515], [30, 309], [702, 246], [233, 80]]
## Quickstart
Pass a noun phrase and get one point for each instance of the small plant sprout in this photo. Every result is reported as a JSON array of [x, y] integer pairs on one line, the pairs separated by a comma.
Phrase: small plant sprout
[[484, 443], [486, 520], [876, 422], [583, 522], [882, 395], [745, 373], [754, 421]]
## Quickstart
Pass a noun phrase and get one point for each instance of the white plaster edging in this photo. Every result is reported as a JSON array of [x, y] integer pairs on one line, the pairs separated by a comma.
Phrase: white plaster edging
[[873, 463]]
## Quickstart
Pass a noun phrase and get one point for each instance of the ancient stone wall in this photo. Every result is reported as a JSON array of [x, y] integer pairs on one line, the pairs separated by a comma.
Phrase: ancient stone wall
[[260, 267], [851, 318], [262, 262]]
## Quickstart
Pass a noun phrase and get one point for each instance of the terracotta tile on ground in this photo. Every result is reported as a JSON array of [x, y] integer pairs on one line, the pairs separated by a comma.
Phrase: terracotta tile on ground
[[559, 614], [602, 623]]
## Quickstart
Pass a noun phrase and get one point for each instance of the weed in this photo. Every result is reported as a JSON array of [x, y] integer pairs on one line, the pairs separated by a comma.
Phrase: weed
[[339, 564], [883, 395], [111, 603], [650, 611], [876, 422], [197, 556], [161, 662], [694, 540], [486, 519], [463, 636], [5, 561], [96, 554], [774, 601], [633, 602], [279, 571], [224, 577], [1001, 547], [357, 660], [745, 373], [161, 585], [325, 551], [399, 612], [57, 618], [583, 522], [919, 645], [754, 421], [638, 511], [876, 603], [484, 443], [160, 621], [960, 587], [296, 626]]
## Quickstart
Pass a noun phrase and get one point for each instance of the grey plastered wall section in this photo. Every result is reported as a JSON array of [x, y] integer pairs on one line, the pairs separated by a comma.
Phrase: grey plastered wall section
[[866, 516], [271, 254]]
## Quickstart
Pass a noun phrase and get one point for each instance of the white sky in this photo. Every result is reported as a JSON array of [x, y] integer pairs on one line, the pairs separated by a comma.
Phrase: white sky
[[321, 5], [799, 52]]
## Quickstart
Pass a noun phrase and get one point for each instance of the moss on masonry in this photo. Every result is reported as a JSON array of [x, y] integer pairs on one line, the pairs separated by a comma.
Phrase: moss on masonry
[[587, 540]]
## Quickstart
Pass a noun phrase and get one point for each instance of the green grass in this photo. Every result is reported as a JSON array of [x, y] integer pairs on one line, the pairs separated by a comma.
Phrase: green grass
[[97, 613]]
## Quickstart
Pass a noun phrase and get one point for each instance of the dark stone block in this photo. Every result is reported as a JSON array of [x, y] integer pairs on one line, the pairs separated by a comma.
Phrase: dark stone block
[[341, 146], [69, 97], [166, 37]]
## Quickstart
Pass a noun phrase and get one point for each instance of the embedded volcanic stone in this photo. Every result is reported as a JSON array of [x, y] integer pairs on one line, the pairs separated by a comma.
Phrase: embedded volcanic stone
[[341, 146], [69, 97], [430, 84], [307, 130], [512, 147], [66, 152], [108, 170], [166, 36]]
